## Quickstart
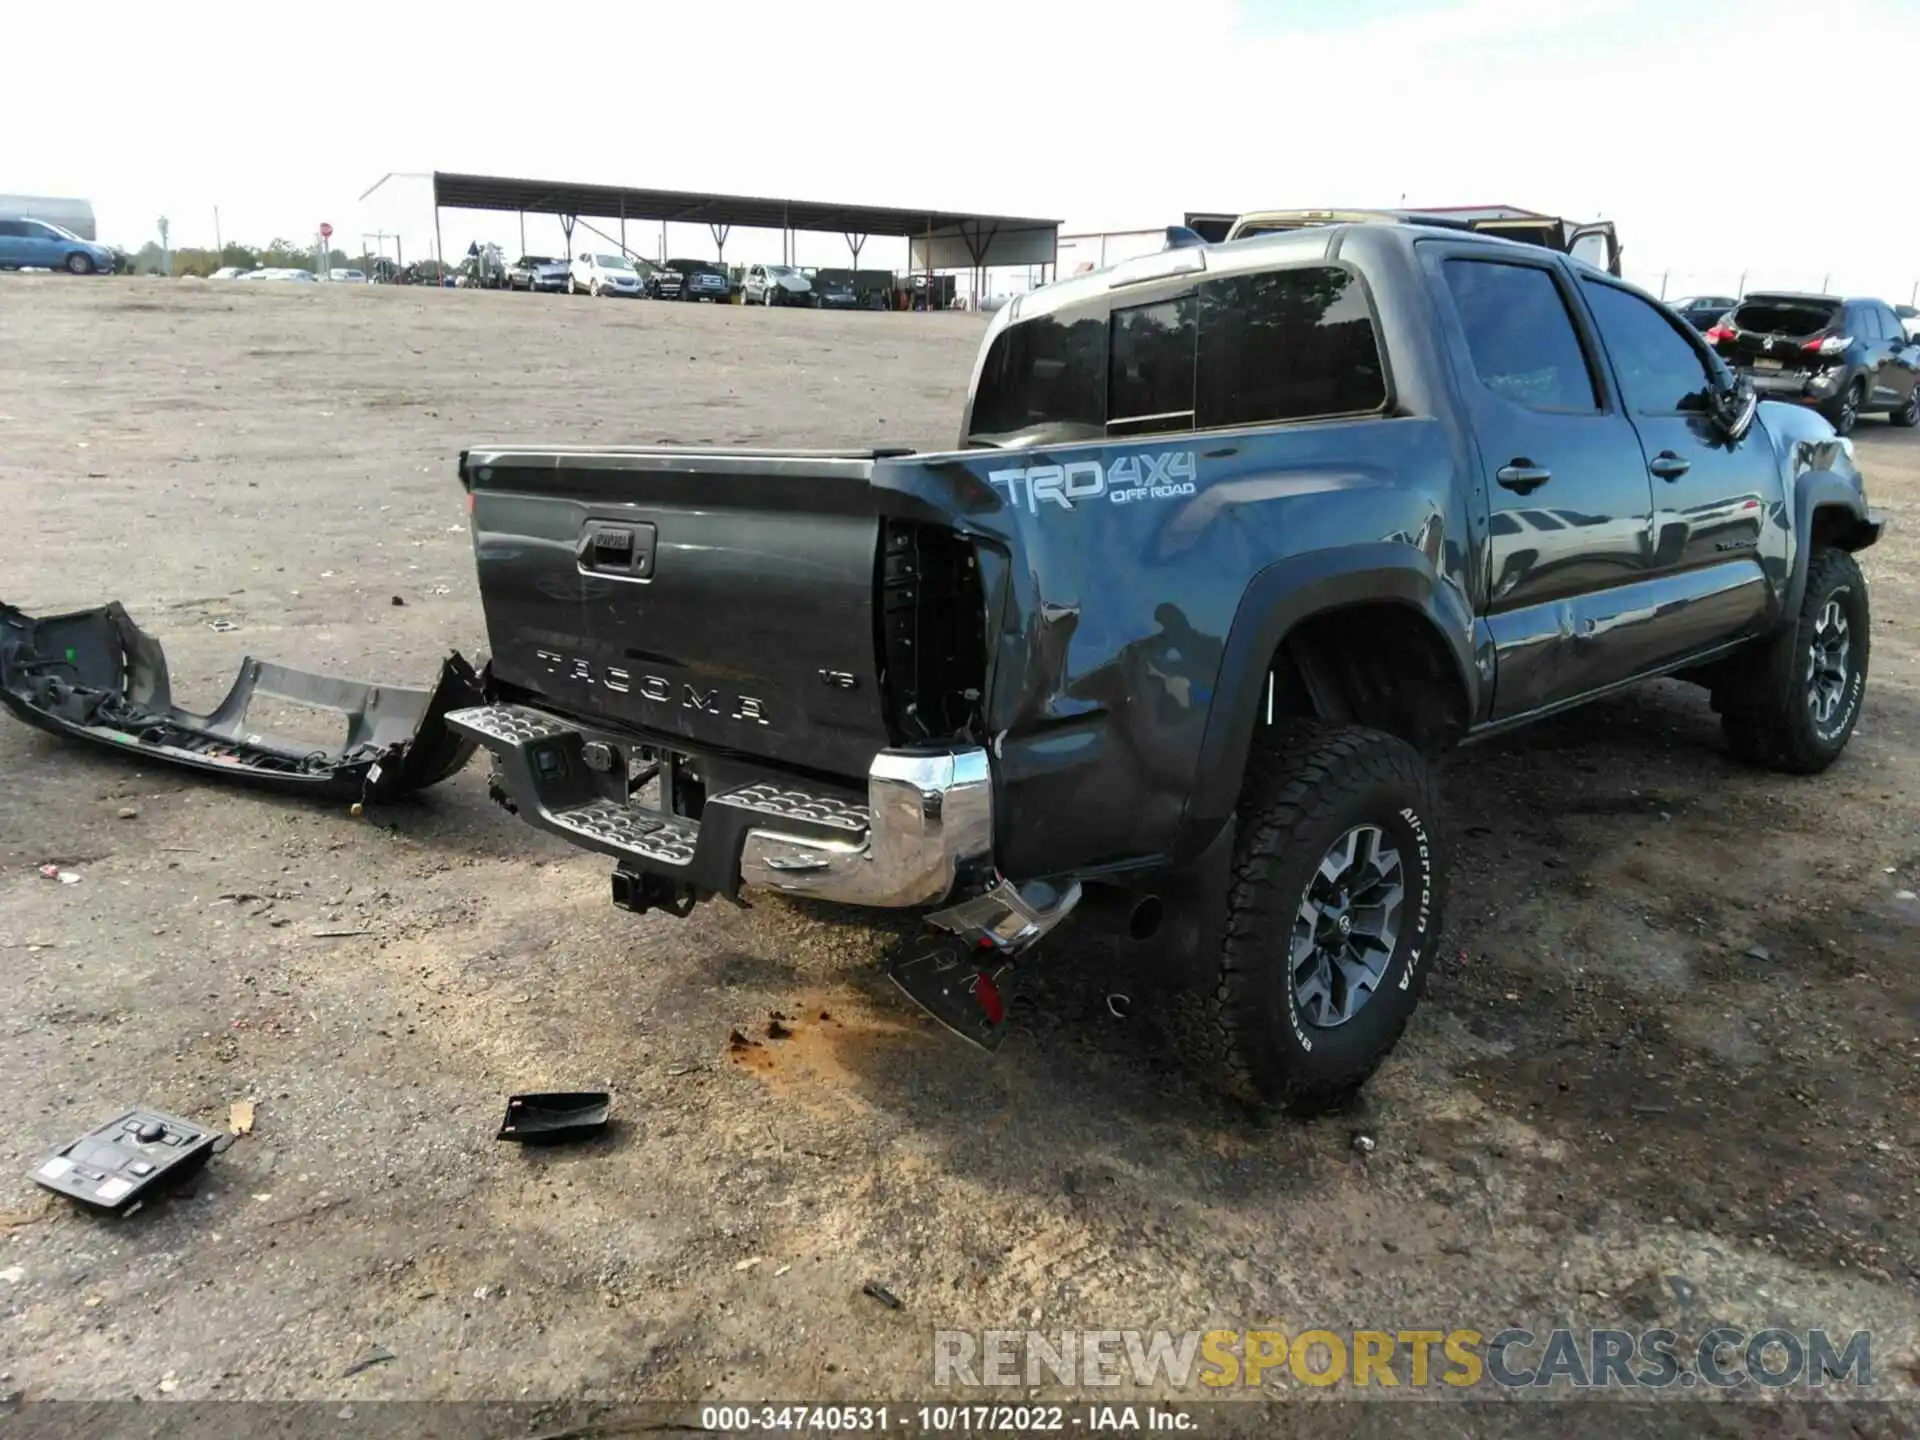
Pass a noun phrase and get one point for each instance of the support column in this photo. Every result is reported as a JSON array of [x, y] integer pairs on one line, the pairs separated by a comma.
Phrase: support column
[[439, 250]]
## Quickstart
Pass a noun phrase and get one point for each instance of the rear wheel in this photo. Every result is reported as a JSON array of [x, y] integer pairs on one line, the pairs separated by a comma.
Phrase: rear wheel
[[1798, 711], [80, 263], [1843, 411], [1333, 910], [1908, 415]]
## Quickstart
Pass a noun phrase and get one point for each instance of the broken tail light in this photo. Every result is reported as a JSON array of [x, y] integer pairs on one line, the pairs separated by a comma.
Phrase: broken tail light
[[932, 637], [1721, 332], [1827, 344]]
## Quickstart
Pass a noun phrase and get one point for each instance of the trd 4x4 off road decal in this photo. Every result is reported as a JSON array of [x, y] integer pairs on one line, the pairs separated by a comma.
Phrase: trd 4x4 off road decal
[[1142, 476]]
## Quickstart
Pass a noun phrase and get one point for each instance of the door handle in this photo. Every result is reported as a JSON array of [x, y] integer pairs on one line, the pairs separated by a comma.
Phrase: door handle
[[1669, 466], [1522, 476], [613, 549]]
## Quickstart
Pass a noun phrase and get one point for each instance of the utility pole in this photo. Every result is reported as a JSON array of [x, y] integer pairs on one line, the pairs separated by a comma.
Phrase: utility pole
[[219, 247], [166, 251]]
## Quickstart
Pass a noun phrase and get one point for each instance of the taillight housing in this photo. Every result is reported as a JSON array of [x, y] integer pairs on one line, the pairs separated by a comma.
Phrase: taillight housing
[[1722, 331], [1827, 344]]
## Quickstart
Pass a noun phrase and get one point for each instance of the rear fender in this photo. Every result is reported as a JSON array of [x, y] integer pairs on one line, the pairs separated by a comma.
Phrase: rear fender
[[1280, 598]]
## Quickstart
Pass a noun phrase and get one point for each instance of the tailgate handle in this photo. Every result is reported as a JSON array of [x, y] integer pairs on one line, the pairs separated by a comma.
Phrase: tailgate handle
[[610, 548]]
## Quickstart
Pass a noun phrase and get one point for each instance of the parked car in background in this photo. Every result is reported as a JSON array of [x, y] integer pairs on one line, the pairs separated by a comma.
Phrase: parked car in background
[[702, 280], [599, 275], [346, 276], [230, 272], [41, 245], [835, 292], [663, 282], [537, 272], [1843, 357], [775, 285], [1703, 312], [1910, 318], [281, 272]]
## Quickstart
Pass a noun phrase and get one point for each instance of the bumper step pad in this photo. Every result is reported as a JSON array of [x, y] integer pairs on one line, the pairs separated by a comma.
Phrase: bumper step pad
[[922, 829], [545, 770]]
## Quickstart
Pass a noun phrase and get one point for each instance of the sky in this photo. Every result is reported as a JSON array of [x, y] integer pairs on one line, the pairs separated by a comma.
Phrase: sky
[[1701, 127]]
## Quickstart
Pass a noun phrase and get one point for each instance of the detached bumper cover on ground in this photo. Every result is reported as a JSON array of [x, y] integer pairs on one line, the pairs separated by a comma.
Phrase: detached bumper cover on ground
[[97, 676]]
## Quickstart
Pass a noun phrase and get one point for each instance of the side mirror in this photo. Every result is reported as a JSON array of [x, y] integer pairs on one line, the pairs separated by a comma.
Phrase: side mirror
[[1732, 406]]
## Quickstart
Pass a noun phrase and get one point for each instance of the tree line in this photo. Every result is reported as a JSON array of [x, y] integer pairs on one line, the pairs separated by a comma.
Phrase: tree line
[[150, 259]]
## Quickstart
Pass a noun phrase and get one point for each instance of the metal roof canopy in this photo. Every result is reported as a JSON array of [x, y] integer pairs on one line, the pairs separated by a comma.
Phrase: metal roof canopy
[[942, 239]]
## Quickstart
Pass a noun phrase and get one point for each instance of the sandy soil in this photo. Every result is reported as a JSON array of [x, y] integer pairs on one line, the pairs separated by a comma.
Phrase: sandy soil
[[1607, 1086]]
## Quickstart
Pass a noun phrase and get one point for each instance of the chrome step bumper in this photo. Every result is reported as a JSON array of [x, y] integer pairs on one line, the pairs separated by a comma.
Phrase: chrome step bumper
[[926, 820]]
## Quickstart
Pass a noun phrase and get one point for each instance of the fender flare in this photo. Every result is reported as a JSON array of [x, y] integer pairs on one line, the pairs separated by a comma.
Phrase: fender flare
[[1277, 599], [1822, 490]]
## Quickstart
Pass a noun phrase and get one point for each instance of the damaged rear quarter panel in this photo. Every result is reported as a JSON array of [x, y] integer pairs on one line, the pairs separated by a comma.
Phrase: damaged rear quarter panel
[[1110, 633]]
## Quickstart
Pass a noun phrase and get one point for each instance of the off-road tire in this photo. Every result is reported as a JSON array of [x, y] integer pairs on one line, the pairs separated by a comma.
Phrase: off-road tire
[[1843, 411], [1302, 793], [1773, 722], [1908, 415]]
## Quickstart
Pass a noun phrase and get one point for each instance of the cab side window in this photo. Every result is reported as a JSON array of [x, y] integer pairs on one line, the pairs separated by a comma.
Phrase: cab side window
[[1521, 337], [1660, 371]]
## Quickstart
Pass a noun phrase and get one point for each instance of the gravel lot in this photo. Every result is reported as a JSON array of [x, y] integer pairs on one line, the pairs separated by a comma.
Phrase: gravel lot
[[1674, 1032]]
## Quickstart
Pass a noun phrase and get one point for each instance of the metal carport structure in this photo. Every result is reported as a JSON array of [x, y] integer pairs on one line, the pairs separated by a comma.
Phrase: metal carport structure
[[937, 239]]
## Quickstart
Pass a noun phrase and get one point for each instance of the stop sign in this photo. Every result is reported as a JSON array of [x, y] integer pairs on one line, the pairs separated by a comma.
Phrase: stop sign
[[326, 231]]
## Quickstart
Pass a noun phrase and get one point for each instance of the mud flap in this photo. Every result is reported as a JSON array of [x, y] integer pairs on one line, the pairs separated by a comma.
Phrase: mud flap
[[955, 982], [96, 676]]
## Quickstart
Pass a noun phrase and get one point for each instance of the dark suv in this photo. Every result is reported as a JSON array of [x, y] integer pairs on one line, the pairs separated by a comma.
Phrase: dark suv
[[1842, 357]]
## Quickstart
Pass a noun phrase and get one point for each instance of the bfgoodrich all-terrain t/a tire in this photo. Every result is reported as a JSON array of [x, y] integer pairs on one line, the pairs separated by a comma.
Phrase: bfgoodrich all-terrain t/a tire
[[1798, 713], [1333, 911]]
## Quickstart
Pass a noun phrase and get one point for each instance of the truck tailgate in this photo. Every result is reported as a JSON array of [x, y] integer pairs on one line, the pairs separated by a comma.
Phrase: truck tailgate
[[722, 597]]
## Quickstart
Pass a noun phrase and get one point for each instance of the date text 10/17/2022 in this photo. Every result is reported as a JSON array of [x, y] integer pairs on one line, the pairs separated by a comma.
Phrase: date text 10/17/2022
[[946, 1419]]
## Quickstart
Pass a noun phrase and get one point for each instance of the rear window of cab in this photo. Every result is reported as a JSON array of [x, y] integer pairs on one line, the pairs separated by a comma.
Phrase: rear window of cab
[[1247, 349]]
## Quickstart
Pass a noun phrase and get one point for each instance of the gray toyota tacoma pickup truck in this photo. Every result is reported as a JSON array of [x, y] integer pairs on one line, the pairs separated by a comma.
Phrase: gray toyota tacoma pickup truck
[[1237, 539]]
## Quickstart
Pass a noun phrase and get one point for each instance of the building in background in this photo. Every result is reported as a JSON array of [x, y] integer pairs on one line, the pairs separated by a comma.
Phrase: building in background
[[73, 215]]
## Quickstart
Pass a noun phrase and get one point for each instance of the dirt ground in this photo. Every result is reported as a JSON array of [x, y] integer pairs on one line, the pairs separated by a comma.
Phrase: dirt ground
[[1676, 1031]]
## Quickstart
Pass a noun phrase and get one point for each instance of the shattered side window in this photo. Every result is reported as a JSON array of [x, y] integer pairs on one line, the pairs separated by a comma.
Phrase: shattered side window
[[1520, 336]]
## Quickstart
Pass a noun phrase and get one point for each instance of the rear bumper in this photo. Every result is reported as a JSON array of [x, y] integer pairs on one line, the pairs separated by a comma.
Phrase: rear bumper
[[1815, 388], [927, 817]]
